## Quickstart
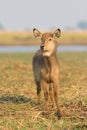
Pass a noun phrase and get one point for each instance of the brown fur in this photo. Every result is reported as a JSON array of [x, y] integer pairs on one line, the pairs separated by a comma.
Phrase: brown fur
[[46, 68]]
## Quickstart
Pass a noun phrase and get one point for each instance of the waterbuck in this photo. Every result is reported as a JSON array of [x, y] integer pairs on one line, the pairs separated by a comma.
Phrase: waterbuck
[[46, 68]]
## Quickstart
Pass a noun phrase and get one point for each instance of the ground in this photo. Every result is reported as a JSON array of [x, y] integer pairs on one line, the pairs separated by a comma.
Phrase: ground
[[18, 100]]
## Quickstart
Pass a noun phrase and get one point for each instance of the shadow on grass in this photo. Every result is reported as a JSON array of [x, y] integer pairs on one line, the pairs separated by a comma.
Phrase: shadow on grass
[[15, 99]]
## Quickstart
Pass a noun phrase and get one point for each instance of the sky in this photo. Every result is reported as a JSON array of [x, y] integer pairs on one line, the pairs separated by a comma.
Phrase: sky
[[42, 14]]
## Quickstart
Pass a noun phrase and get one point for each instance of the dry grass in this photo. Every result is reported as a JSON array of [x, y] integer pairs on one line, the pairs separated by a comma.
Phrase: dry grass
[[18, 108], [74, 38], [27, 38]]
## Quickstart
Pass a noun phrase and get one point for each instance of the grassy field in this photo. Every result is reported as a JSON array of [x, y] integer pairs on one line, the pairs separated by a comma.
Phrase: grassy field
[[27, 38], [18, 109]]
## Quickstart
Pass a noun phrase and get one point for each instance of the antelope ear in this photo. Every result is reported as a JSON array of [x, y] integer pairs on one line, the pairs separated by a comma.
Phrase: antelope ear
[[36, 32], [57, 33]]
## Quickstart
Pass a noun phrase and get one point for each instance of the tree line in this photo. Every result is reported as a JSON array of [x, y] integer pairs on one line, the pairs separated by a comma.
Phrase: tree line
[[80, 25]]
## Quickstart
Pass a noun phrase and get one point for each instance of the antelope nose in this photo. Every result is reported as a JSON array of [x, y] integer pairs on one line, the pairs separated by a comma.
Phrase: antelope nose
[[42, 47]]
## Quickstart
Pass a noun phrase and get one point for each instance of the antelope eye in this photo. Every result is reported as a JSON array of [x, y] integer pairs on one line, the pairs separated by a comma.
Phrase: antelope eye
[[50, 39]]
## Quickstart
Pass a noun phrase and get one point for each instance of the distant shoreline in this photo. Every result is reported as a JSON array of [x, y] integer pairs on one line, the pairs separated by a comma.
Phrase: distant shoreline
[[27, 38]]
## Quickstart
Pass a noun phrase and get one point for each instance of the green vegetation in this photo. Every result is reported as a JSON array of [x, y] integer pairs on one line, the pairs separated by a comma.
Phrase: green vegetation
[[18, 108], [27, 38]]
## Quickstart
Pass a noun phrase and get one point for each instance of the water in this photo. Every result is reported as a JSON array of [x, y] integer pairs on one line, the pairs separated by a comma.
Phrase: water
[[73, 48], [63, 48]]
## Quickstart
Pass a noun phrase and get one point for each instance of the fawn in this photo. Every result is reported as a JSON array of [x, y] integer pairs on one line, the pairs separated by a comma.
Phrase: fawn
[[46, 67]]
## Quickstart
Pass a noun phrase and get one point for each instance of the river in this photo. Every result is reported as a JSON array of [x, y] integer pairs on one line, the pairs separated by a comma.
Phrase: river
[[68, 48]]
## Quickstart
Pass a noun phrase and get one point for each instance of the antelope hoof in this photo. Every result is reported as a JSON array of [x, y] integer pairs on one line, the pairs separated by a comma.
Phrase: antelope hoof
[[59, 115]]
